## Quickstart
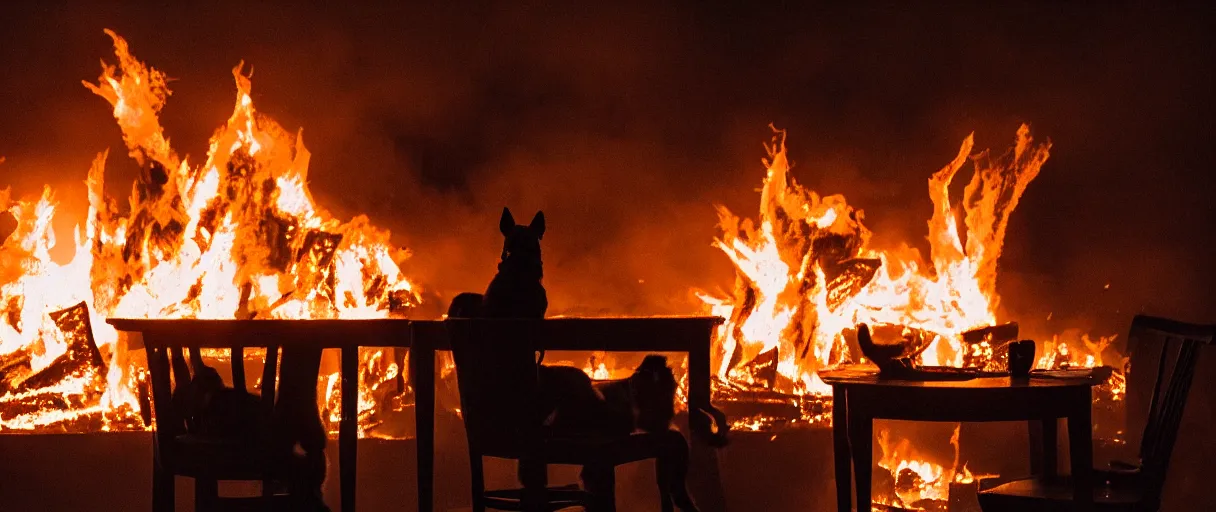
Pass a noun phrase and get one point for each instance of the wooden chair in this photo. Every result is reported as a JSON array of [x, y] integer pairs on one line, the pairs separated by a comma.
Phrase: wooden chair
[[179, 449], [1171, 346], [496, 367]]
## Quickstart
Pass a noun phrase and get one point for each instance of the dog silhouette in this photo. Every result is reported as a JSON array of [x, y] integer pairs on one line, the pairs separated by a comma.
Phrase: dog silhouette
[[516, 290]]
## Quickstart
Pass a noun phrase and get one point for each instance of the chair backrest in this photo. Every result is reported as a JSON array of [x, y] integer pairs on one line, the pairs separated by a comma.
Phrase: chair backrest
[[1173, 348], [496, 368], [170, 371]]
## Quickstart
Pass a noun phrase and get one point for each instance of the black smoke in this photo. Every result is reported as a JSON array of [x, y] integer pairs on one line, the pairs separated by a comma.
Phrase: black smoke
[[626, 124]]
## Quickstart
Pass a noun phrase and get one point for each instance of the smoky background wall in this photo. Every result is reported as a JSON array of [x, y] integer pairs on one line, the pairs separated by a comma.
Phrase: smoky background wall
[[627, 124]]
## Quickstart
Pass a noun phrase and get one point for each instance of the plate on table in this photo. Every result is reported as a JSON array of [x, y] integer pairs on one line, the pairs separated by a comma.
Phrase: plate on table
[[950, 370], [934, 373], [1097, 372]]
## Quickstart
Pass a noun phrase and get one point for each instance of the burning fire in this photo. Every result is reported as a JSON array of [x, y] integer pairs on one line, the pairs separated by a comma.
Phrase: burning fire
[[915, 483], [236, 237], [240, 236], [807, 274]]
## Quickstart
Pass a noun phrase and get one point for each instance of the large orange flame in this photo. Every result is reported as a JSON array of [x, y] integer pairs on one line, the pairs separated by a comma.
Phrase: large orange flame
[[238, 236], [807, 274]]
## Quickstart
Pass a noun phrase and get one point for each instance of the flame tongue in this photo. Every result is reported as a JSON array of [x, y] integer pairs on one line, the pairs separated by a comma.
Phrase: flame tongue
[[808, 274], [238, 236]]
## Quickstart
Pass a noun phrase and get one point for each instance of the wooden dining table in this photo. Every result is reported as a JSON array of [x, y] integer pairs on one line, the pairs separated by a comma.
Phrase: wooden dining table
[[690, 335]]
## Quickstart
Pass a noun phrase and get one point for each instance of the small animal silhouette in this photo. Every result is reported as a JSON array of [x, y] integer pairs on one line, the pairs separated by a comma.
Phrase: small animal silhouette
[[296, 439], [647, 398], [216, 410], [516, 290]]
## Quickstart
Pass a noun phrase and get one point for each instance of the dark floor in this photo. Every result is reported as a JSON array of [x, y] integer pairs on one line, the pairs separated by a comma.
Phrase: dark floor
[[111, 472], [759, 472]]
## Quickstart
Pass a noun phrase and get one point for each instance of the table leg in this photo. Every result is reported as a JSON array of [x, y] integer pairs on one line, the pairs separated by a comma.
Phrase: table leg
[[1044, 441], [840, 449], [705, 479], [698, 388], [348, 428], [1081, 451], [1051, 447], [861, 439], [422, 373]]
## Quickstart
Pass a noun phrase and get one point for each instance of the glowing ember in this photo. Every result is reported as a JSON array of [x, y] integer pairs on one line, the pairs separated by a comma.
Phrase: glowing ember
[[236, 237]]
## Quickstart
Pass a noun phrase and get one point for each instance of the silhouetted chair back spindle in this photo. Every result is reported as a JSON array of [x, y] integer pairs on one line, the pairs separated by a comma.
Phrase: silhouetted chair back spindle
[[1164, 354], [181, 448], [1176, 346]]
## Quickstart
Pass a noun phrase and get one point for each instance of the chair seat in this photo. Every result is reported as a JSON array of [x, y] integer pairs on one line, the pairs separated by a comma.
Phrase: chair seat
[[278, 503], [219, 458], [598, 449], [558, 498], [606, 450], [1034, 494]]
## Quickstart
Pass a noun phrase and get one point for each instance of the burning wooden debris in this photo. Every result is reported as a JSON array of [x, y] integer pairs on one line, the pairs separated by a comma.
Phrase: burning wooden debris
[[75, 380]]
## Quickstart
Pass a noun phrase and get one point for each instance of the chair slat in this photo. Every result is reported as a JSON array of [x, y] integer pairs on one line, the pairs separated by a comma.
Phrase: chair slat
[[165, 418], [180, 450], [196, 358], [181, 369], [237, 357], [1156, 464], [1150, 427]]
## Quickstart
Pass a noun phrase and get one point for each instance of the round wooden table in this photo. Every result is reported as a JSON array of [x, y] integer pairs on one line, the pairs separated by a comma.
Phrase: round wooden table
[[860, 397]]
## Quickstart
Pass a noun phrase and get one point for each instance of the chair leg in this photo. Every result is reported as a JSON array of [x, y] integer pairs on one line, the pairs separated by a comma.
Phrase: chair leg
[[665, 499], [206, 494], [665, 503], [477, 482], [267, 494], [607, 497], [600, 481], [534, 475], [163, 492], [163, 499]]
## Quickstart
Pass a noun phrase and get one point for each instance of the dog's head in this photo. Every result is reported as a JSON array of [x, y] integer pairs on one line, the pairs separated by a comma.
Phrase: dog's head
[[521, 243], [654, 393]]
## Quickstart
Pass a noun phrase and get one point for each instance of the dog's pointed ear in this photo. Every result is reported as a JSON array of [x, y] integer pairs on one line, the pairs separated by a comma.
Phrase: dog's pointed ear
[[507, 224], [538, 225]]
